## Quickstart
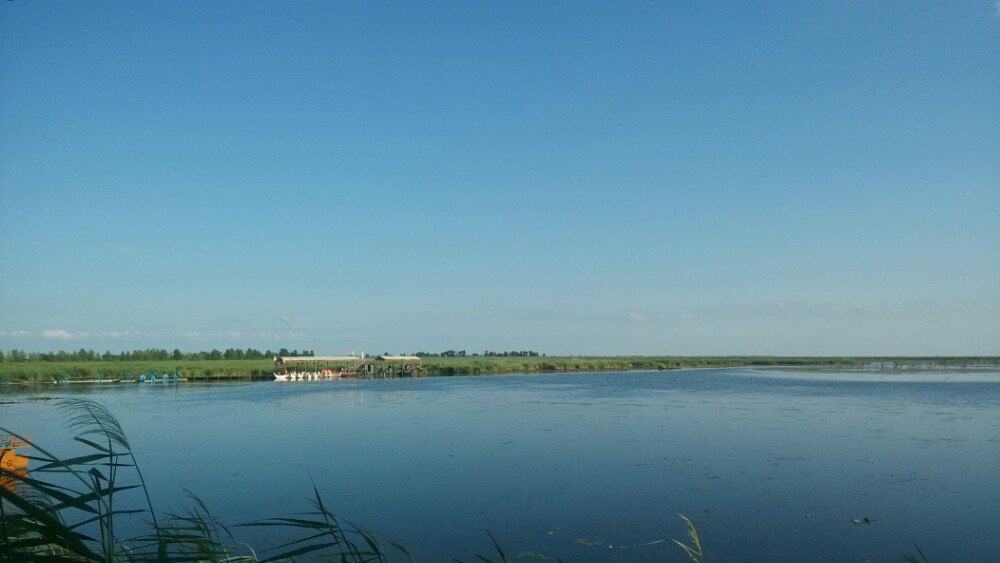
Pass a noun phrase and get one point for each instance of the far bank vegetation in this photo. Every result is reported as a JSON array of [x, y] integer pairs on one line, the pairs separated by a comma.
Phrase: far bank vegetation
[[235, 363]]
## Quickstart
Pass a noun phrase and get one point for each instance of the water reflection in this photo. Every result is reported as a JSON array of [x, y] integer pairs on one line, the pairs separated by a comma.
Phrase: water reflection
[[769, 464]]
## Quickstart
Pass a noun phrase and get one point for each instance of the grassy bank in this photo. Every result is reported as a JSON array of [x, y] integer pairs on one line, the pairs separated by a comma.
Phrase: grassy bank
[[47, 372], [483, 365], [76, 371]]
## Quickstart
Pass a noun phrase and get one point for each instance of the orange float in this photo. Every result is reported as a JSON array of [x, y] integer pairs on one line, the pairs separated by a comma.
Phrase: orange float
[[13, 463]]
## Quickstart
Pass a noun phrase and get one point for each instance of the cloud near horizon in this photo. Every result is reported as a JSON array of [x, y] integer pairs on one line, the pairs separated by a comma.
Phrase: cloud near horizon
[[192, 336], [61, 334], [14, 334]]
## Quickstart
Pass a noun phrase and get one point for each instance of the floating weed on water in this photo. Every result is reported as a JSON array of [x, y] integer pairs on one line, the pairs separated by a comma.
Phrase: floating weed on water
[[693, 549], [589, 543], [530, 555]]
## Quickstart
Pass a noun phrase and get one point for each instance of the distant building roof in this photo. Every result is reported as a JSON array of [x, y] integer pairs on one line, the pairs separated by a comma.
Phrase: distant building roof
[[294, 359], [399, 358]]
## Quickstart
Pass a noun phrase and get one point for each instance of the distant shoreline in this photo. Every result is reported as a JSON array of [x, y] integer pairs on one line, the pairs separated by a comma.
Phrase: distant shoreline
[[262, 370]]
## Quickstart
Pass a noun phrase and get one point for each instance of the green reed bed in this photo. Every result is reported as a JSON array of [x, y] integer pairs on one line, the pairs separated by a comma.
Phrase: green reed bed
[[53, 372], [222, 370], [473, 365]]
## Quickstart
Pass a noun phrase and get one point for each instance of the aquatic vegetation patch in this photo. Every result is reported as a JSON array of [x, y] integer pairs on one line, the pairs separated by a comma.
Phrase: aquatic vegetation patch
[[589, 543]]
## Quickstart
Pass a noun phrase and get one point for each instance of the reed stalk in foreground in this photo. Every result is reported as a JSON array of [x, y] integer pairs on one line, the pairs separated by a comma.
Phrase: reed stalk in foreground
[[693, 550]]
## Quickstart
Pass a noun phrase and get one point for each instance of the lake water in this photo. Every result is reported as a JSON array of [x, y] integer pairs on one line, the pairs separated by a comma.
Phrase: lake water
[[768, 464]]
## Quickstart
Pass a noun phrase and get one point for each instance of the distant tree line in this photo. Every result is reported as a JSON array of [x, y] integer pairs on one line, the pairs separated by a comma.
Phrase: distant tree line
[[161, 354], [150, 354], [488, 354]]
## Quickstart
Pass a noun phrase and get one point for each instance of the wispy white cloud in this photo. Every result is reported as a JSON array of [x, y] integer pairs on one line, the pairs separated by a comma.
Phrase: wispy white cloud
[[234, 335], [61, 334], [996, 9], [687, 317], [57, 333], [119, 334], [161, 338], [14, 333], [636, 317]]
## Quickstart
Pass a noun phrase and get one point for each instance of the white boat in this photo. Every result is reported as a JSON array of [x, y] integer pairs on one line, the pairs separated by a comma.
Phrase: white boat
[[281, 376]]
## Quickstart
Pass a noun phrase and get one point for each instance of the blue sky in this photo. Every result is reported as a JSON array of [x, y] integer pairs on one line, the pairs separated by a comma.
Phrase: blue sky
[[573, 178]]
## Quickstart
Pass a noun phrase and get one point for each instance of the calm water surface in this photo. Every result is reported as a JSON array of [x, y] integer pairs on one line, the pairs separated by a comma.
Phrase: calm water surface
[[768, 464]]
